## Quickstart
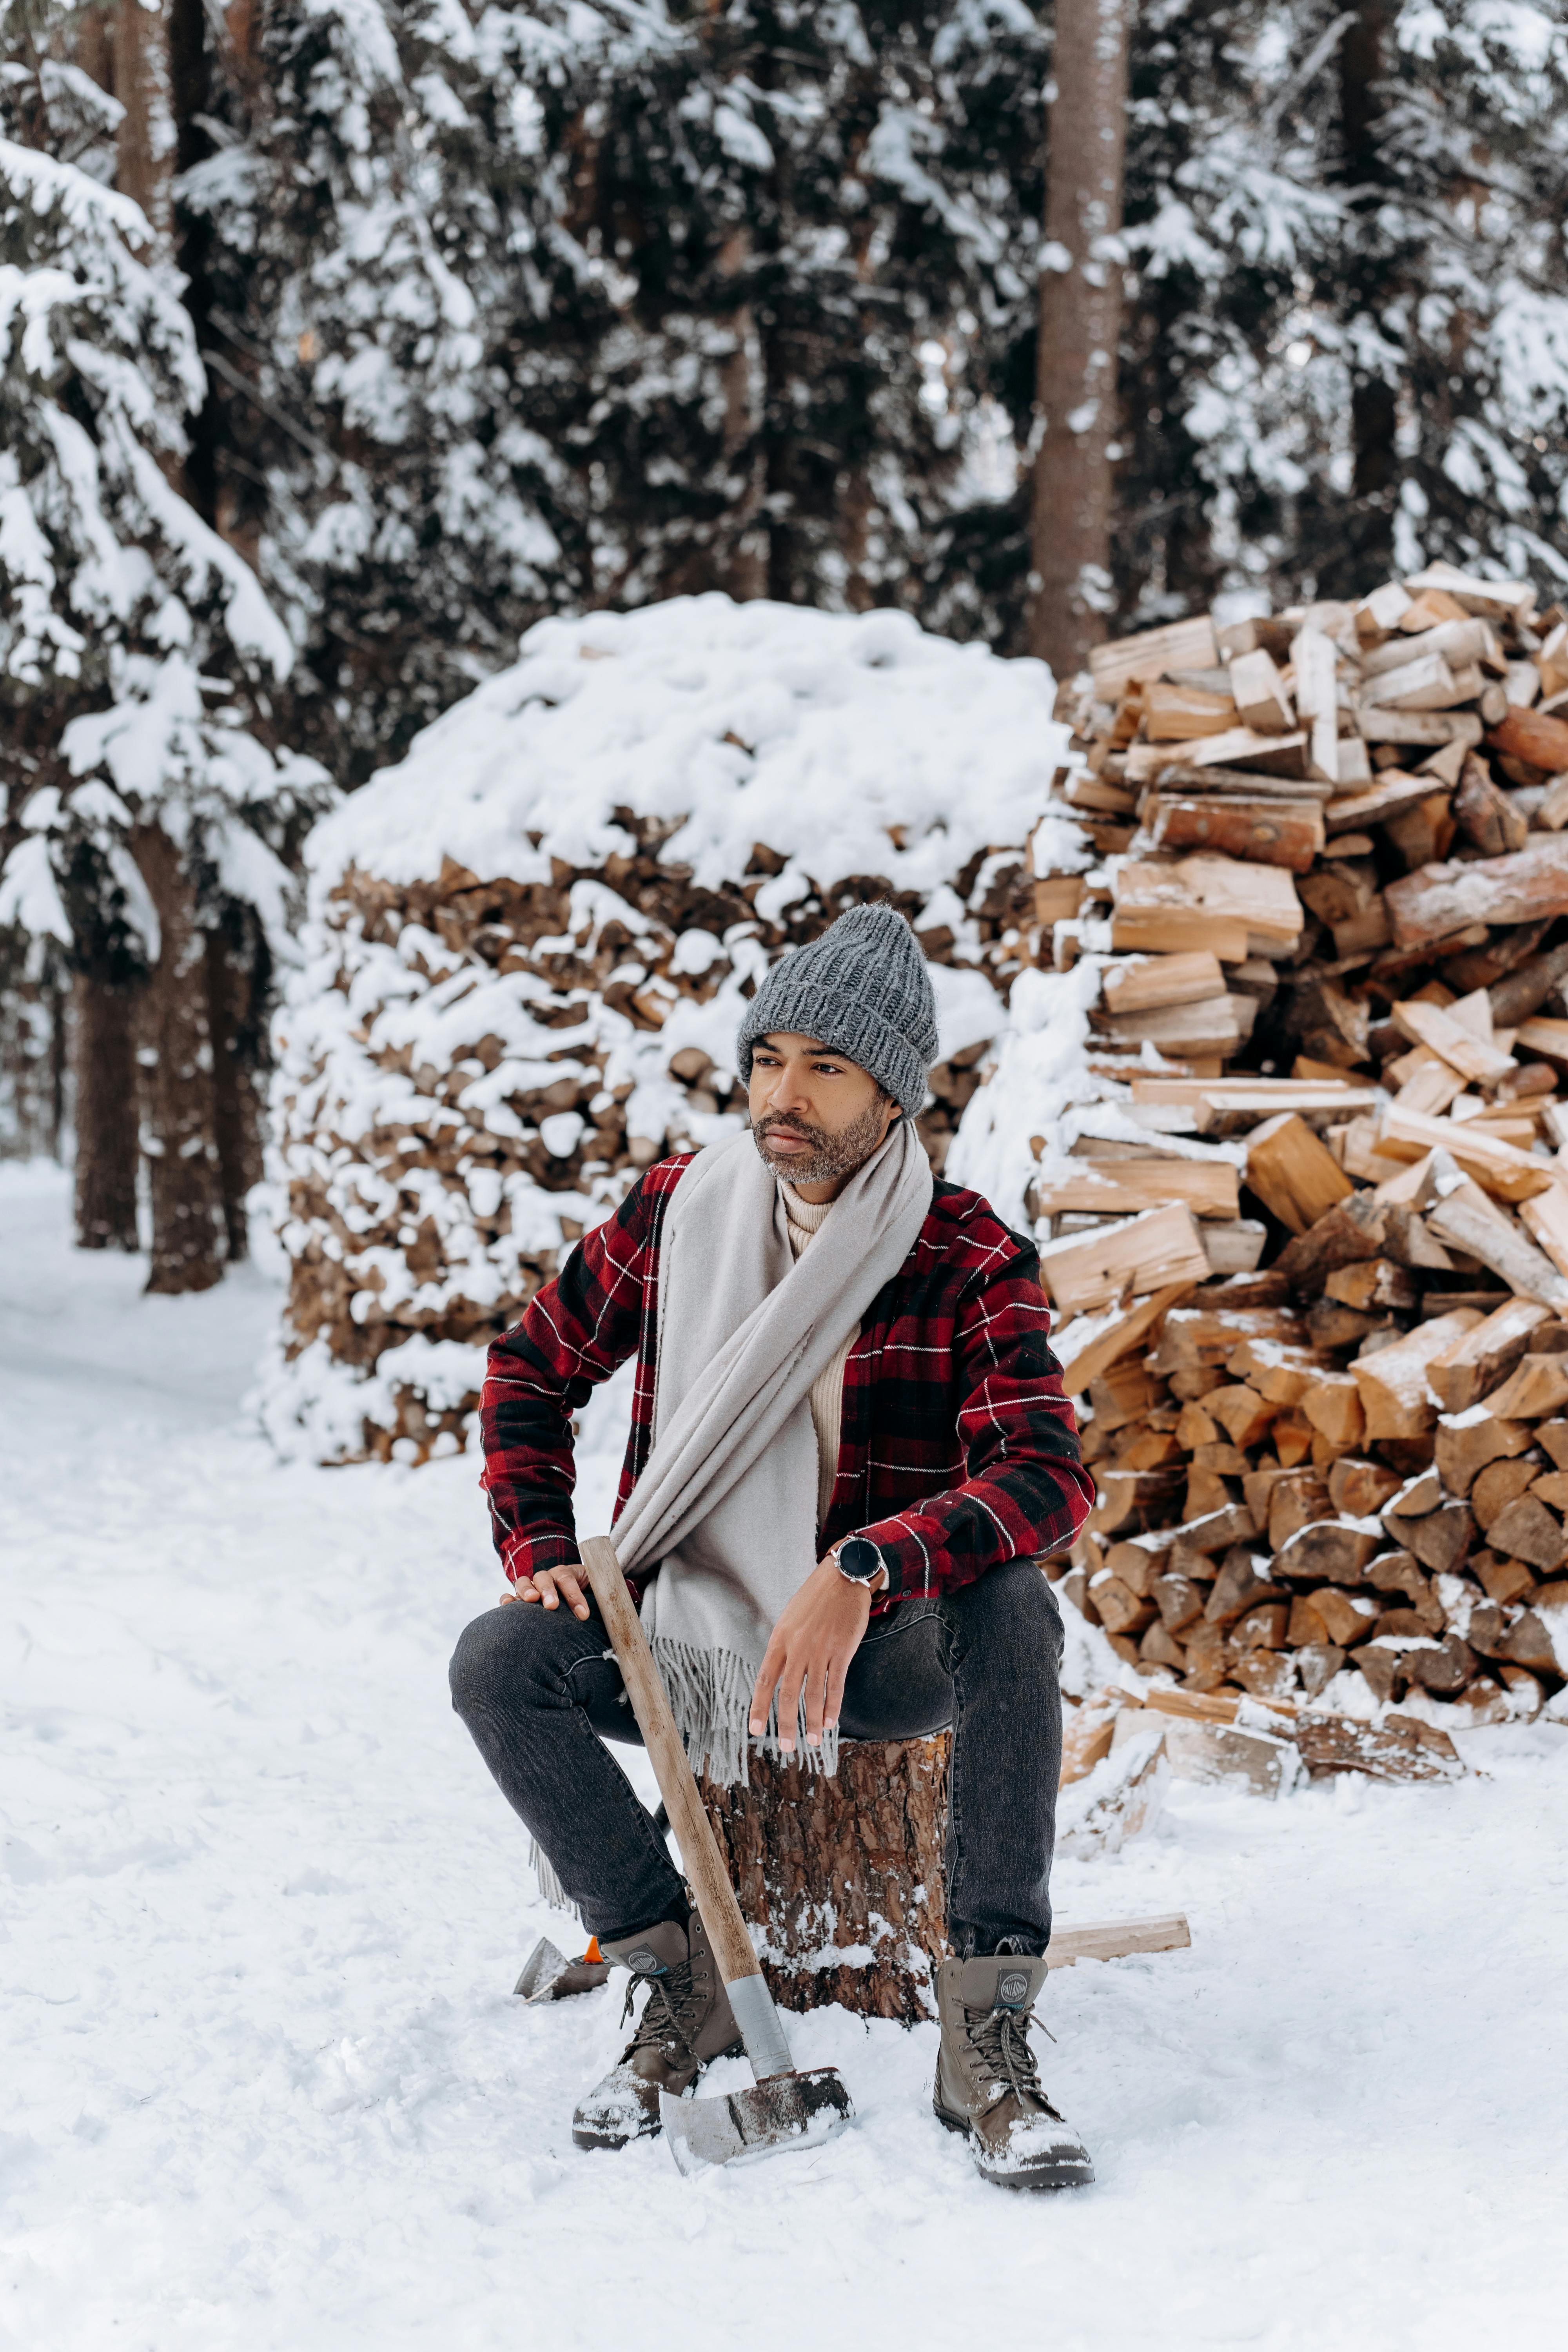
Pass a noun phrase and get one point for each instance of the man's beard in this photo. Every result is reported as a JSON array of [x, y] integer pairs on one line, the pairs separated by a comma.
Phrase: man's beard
[[831, 1155]]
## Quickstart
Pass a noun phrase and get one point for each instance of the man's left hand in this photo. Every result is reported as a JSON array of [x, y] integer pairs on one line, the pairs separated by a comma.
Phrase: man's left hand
[[809, 1652]]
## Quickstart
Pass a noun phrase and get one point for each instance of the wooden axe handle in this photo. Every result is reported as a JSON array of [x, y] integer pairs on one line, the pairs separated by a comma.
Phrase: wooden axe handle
[[677, 1787]]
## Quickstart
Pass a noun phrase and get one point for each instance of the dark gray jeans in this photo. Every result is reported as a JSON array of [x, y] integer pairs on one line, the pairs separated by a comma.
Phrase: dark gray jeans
[[541, 1694]]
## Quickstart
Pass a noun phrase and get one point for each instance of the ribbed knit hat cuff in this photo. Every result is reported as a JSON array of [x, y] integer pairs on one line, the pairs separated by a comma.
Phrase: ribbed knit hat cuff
[[847, 1027]]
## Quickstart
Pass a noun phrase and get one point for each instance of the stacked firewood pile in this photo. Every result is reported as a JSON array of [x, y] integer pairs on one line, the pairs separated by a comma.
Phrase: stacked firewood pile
[[1309, 1249], [483, 1158], [531, 945]]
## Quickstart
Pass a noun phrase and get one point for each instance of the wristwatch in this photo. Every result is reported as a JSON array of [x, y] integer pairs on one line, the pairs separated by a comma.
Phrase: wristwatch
[[858, 1558]]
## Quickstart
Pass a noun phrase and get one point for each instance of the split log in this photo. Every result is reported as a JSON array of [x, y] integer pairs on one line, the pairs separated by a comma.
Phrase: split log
[[1259, 694], [1475, 1058], [1393, 793], [1122, 1795], [850, 1862], [1238, 747], [1149, 1253], [1500, 1166], [1180, 645], [1380, 725], [1460, 642], [1327, 1552], [1497, 600], [1346, 1619], [1535, 736], [1333, 1408], [1127, 1187], [1526, 888], [1441, 1539], [1140, 983], [1314, 663], [1525, 1529], [1359, 1489], [1468, 1220], [1487, 817], [1294, 1175], [1214, 890], [1393, 1750], [1090, 1344], [1274, 832], [1177, 714], [1213, 1029], [1537, 1388], [1466, 1442], [1221, 1755], [1117, 1939], [1546, 1217], [1498, 1485], [1527, 987], [1392, 1383], [1539, 1638], [1485, 1355]]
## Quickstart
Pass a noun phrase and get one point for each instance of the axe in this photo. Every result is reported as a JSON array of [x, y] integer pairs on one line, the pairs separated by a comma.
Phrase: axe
[[783, 2108]]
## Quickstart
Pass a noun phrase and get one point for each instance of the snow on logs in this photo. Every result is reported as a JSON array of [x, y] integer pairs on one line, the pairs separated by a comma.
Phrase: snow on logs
[[530, 945], [1307, 1240]]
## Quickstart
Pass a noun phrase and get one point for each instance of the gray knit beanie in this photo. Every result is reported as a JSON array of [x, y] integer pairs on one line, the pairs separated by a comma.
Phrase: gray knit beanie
[[863, 989]]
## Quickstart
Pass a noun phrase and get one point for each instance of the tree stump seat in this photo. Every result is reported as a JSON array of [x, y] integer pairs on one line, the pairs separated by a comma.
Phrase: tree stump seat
[[844, 1873]]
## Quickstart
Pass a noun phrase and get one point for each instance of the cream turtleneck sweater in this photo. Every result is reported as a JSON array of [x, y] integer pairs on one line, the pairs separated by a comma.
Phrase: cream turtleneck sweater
[[805, 1219]]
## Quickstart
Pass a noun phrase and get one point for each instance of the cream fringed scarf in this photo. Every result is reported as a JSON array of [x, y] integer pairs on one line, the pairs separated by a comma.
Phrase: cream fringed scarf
[[727, 1499]]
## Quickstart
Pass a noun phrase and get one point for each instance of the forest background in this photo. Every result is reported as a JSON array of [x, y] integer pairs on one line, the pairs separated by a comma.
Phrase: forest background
[[343, 340]]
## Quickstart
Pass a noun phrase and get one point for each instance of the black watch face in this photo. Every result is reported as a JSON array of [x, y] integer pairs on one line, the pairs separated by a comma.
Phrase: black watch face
[[859, 1559]]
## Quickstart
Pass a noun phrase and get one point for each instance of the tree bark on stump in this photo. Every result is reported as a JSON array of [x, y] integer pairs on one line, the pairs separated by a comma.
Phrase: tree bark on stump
[[177, 1080], [851, 1863], [107, 1148]]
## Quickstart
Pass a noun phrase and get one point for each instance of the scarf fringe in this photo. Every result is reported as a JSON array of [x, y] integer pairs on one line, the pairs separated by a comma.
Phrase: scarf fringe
[[710, 1698], [551, 1890]]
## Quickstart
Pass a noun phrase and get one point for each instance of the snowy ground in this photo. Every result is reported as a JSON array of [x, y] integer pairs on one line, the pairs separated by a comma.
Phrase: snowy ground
[[265, 2084]]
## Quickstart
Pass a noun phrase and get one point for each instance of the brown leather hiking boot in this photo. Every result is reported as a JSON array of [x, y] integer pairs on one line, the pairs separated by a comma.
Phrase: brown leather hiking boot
[[685, 2021], [987, 2081]]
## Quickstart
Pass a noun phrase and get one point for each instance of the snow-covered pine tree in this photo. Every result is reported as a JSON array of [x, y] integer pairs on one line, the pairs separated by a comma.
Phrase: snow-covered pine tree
[[793, 234], [514, 313], [145, 808], [1347, 340], [374, 212]]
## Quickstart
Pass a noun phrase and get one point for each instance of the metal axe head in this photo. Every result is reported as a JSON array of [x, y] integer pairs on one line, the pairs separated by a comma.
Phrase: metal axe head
[[548, 1975], [782, 2111]]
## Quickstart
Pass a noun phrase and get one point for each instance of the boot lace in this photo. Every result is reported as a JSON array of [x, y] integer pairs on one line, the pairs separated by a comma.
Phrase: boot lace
[[1001, 2040], [662, 2025]]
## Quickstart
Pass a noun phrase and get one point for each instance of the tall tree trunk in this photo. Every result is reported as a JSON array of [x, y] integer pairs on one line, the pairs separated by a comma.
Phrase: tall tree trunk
[[1080, 328], [177, 1082], [106, 1123], [1374, 407], [145, 168], [236, 1109]]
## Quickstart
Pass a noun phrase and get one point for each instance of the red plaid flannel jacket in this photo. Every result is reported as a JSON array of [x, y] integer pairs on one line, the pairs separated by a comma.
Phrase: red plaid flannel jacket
[[959, 1447]]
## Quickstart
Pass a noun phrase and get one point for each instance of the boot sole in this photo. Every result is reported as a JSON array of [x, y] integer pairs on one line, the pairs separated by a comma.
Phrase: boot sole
[[1074, 2173], [584, 2135]]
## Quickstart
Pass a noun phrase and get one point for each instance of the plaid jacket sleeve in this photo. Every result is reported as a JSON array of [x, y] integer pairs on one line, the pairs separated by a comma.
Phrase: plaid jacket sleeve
[[574, 1333], [1026, 1491]]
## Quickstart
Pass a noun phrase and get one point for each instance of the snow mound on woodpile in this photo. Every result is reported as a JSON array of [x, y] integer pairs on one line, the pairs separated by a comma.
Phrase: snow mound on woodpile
[[530, 945]]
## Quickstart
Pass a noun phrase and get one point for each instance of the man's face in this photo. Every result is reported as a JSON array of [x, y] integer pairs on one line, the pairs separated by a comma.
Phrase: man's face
[[816, 1116]]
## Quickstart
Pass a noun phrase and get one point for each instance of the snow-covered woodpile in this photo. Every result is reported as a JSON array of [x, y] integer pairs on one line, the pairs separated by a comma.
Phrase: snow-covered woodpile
[[1304, 1214], [529, 947]]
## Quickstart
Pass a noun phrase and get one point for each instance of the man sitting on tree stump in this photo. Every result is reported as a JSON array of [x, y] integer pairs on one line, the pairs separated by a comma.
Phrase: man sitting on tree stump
[[862, 1561]]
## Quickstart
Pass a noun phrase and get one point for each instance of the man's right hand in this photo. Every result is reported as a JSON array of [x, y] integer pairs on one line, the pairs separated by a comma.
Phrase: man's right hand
[[551, 1586]]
